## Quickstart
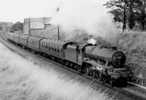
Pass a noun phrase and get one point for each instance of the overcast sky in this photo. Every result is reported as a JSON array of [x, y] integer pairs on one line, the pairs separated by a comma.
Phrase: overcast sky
[[15, 10], [12, 10], [88, 15]]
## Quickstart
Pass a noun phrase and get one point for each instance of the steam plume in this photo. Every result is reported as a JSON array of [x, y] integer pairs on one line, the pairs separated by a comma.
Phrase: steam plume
[[88, 15]]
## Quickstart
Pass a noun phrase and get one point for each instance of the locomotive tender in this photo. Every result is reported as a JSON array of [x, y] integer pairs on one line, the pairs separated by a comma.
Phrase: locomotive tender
[[107, 65]]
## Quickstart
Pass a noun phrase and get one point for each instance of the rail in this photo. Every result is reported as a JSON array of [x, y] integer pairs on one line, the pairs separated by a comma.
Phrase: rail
[[137, 85]]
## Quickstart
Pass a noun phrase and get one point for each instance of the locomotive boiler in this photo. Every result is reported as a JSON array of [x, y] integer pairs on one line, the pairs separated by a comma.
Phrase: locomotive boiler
[[108, 64]]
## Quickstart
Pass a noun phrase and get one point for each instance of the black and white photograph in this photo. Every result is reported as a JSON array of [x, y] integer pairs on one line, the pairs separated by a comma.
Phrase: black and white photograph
[[73, 50]]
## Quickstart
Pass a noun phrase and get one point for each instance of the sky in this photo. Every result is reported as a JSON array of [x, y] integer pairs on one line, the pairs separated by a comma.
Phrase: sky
[[88, 15], [15, 10]]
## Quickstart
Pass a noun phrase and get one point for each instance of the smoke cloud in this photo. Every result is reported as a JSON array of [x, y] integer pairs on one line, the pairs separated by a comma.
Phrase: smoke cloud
[[88, 15]]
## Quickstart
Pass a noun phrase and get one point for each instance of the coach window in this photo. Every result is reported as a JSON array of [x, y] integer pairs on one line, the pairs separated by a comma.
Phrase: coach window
[[46, 45], [50, 49], [58, 50], [43, 44], [49, 45]]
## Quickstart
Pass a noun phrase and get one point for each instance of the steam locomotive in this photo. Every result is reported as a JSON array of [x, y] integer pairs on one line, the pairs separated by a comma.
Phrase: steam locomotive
[[105, 64]]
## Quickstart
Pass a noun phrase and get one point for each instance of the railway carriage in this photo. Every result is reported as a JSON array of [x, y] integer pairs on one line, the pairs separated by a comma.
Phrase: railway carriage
[[53, 48], [14, 37], [23, 40], [10, 36], [34, 43]]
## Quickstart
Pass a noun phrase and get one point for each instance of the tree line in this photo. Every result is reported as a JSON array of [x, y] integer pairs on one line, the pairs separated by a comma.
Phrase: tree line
[[131, 13], [18, 26]]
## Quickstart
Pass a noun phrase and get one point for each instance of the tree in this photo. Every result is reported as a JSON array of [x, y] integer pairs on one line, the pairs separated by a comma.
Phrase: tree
[[128, 12], [118, 9], [18, 26], [141, 15]]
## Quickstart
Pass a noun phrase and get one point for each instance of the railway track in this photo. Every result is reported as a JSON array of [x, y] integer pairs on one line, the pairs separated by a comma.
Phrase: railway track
[[133, 90]]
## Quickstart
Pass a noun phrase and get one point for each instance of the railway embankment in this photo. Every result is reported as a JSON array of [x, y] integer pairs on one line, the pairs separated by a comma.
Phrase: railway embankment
[[134, 45]]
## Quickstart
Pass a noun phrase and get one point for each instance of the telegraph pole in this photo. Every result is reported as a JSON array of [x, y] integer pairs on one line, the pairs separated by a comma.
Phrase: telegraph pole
[[57, 11]]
